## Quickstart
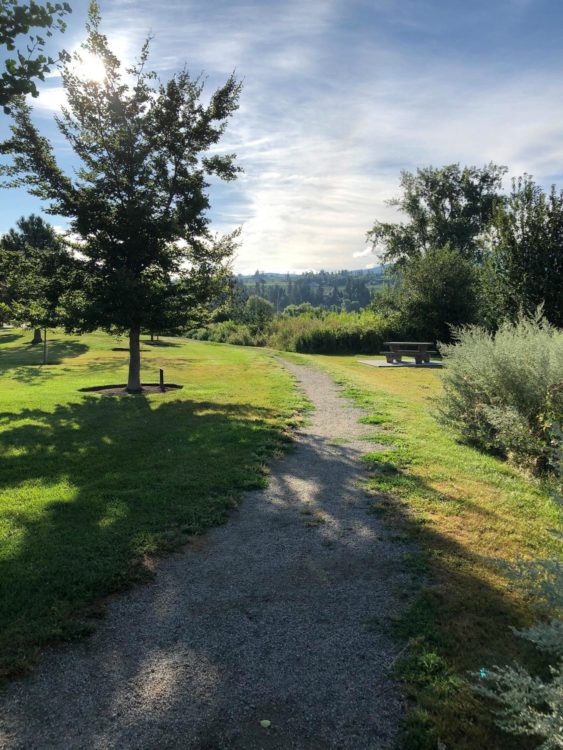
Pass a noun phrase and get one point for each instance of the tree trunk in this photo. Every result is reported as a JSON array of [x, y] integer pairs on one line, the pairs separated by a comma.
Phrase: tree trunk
[[152, 336], [45, 346], [134, 381], [37, 338]]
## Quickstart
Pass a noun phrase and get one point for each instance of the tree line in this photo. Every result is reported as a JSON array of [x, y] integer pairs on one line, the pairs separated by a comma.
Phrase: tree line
[[336, 291], [469, 253]]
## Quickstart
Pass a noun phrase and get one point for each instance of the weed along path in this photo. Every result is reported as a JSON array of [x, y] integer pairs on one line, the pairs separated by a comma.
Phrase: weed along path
[[261, 634]]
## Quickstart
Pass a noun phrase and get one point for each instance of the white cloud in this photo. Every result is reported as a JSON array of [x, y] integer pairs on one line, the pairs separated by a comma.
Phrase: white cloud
[[329, 117], [50, 100], [363, 253]]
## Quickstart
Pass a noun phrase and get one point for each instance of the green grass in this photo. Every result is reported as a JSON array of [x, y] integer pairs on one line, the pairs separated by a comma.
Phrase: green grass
[[92, 486], [465, 513]]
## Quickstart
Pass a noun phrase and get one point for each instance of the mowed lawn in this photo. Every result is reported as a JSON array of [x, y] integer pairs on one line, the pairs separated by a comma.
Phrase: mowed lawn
[[465, 512], [91, 485]]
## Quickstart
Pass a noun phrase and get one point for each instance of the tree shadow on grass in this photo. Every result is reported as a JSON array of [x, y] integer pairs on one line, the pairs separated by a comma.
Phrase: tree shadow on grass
[[156, 343], [459, 624], [39, 374], [30, 356], [8, 338], [93, 485], [135, 469]]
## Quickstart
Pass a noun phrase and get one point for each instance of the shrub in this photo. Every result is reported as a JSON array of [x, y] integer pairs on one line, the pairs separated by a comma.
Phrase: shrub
[[501, 390], [332, 333], [305, 308], [311, 332], [530, 704], [228, 332]]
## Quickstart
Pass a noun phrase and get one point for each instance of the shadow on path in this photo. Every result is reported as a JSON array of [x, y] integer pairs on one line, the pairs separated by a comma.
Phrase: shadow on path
[[269, 617]]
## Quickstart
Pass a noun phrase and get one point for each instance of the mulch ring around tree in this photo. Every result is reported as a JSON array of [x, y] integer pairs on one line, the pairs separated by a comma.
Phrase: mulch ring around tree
[[121, 389]]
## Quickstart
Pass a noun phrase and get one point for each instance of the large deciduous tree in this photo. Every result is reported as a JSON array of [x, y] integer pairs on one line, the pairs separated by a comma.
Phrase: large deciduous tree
[[25, 61], [447, 206], [139, 199]]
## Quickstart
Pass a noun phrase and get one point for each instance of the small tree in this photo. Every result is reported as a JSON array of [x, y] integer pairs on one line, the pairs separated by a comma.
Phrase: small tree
[[139, 200], [37, 270], [437, 291], [258, 312], [20, 72]]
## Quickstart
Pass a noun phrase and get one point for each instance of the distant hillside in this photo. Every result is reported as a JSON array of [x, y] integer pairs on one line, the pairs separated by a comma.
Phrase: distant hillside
[[348, 290]]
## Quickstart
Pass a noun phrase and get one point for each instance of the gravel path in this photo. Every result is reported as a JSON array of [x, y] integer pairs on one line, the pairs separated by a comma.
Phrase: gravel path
[[267, 618]]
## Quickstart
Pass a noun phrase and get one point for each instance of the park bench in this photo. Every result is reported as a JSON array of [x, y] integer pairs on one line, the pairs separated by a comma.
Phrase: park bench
[[420, 350]]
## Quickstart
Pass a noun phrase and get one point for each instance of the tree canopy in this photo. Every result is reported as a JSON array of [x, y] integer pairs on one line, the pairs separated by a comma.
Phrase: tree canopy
[[524, 267], [36, 268], [258, 312], [138, 202], [447, 206], [29, 61], [437, 292]]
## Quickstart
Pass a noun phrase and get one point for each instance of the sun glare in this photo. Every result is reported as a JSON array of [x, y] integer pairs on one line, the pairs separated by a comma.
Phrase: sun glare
[[90, 67]]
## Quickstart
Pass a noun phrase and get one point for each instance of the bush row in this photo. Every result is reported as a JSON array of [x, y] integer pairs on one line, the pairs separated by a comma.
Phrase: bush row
[[228, 332], [331, 333]]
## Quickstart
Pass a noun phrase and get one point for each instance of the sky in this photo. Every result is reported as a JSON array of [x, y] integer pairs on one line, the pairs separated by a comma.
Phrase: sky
[[338, 97]]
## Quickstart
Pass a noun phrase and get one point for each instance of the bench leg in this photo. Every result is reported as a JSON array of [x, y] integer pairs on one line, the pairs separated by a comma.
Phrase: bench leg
[[419, 359], [389, 358]]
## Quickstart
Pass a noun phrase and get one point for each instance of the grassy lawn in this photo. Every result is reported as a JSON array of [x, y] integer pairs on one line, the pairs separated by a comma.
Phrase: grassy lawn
[[92, 485], [466, 511]]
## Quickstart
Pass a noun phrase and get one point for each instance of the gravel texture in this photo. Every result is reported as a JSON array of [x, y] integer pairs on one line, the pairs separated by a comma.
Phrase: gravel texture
[[269, 617]]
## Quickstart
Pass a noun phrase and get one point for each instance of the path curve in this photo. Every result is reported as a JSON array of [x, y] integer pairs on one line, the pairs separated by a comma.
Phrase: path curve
[[266, 619]]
